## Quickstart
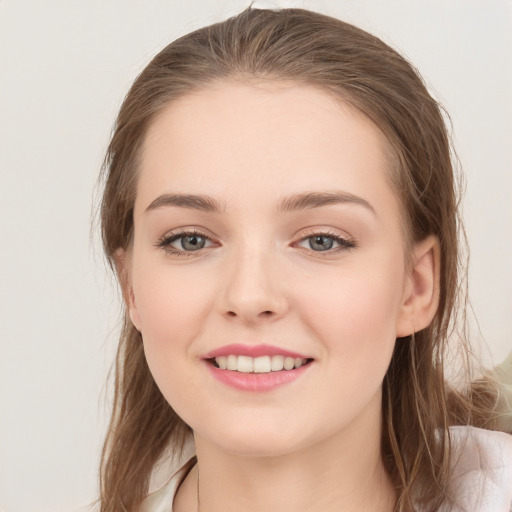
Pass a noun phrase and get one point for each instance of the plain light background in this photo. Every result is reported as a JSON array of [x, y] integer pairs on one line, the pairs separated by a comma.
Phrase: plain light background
[[64, 69]]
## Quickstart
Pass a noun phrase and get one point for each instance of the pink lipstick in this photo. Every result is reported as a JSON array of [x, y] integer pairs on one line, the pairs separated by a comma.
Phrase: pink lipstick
[[252, 351], [255, 368]]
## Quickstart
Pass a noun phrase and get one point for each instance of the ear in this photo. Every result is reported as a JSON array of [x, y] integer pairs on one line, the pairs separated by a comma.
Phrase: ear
[[421, 290], [122, 259]]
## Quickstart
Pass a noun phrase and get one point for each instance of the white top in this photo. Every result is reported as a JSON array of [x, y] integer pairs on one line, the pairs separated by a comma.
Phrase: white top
[[482, 479]]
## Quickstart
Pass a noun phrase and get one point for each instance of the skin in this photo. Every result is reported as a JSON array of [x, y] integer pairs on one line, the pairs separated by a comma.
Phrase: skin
[[259, 280]]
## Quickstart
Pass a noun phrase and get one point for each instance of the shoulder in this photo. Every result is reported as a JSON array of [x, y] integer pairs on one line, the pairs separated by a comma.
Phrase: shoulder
[[482, 469]]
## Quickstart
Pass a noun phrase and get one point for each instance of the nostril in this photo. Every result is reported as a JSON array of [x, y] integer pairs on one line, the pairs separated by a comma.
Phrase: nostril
[[266, 313]]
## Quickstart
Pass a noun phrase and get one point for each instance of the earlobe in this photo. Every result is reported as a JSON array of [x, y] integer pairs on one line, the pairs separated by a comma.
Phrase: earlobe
[[123, 274], [421, 291]]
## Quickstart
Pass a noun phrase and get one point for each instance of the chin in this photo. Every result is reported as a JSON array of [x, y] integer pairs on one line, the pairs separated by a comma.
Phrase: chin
[[256, 439]]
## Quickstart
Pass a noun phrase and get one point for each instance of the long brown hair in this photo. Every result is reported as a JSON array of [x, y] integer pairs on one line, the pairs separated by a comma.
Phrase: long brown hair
[[311, 49]]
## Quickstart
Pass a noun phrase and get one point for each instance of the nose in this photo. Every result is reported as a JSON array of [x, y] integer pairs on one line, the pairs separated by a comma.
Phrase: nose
[[254, 289]]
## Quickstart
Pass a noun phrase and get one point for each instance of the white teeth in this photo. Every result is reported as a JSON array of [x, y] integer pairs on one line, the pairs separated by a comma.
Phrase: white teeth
[[245, 364], [289, 363], [277, 363], [262, 364], [232, 363]]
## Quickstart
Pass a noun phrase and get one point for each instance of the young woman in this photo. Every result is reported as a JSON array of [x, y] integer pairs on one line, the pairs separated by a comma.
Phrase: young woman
[[281, 212]]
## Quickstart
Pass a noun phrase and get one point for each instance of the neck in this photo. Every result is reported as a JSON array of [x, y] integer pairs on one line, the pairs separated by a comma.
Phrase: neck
[[343, 473]]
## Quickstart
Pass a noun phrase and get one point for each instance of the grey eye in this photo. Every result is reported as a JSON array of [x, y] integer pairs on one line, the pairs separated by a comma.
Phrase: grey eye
[[321, 243], [192, 242]]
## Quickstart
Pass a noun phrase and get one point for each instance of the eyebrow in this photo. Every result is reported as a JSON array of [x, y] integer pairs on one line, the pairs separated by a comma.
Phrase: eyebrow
[[194, 202], [308, 200], [302, 201]]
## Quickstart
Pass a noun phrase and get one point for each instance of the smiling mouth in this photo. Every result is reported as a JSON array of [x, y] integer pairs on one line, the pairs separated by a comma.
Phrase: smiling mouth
[[262, 364]]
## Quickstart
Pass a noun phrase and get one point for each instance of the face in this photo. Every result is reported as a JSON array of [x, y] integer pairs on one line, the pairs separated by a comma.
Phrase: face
[[267, 234]]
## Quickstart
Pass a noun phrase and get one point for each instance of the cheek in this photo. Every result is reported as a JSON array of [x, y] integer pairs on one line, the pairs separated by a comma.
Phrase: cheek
[[171, 306], [355, 323], [355, 304], [165, 297], [354, 315]]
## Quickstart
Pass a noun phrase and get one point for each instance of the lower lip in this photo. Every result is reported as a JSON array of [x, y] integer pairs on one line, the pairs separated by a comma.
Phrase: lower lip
[[257, 382]]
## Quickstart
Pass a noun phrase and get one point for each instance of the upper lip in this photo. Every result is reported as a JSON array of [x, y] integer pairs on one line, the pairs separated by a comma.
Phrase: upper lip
[[240, 349]]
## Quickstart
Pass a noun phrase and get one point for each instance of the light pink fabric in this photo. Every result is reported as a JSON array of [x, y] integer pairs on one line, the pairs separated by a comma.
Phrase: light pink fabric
[[482, 460]]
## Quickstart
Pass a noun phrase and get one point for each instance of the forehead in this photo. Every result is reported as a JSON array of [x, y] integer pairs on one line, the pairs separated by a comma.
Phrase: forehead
[[265, 137]]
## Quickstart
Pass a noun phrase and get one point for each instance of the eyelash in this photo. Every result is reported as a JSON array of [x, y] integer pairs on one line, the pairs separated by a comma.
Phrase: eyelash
[[165, 242]]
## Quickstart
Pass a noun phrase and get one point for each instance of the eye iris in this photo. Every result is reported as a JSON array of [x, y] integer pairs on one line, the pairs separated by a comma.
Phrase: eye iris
[[192, 242], [321, 243]]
